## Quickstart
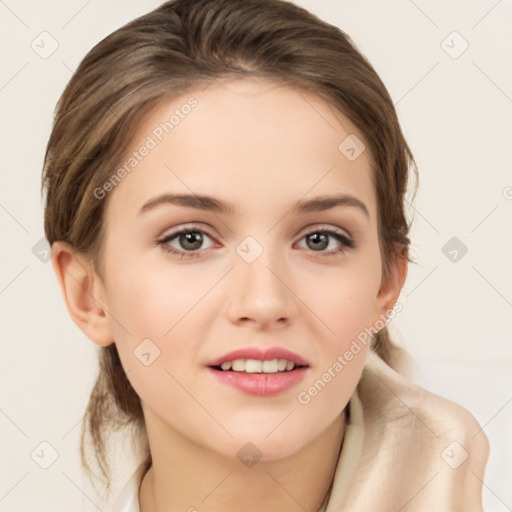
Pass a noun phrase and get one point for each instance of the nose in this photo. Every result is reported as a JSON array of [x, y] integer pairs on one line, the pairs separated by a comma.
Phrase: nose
[[261, 293]]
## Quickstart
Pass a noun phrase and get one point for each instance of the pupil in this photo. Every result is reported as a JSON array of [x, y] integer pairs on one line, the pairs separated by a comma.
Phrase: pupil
[[188, 238], [319, 240]]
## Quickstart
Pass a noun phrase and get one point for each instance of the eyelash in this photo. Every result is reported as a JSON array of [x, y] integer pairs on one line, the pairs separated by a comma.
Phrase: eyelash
[[346, 243]]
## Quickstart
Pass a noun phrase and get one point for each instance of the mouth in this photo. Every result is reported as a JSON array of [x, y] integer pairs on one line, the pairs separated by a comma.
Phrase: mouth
[[258, 372]]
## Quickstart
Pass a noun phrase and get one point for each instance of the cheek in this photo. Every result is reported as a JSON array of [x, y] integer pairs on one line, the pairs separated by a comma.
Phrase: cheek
[[344, 300], [159, 317], [150, 300], [153, 323], [345, 306], [346, 311]]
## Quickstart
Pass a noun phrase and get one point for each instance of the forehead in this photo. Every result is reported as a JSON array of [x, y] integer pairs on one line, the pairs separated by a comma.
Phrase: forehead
[[252, 139]]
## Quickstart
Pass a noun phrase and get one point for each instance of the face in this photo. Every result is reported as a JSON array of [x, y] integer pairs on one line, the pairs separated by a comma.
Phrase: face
[[265, 271]]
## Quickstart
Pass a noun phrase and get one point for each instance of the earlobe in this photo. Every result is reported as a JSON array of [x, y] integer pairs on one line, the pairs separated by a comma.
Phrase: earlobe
[[391, 286], [83, 292]]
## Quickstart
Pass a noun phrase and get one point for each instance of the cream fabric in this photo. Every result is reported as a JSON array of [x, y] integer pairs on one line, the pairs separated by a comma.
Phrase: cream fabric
[[405, 449], [416, 451]]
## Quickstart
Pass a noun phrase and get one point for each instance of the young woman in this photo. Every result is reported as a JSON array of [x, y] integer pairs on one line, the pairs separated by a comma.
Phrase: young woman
[[225, 185]]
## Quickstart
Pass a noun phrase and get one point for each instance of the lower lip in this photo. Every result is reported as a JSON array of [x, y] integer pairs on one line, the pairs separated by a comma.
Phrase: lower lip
[[260, 384]]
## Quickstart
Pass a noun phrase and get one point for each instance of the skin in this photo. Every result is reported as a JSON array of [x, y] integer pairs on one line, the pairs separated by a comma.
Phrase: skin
[[263, 146]]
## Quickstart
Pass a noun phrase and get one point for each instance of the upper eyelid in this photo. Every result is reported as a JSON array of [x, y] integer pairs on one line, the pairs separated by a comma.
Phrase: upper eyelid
[[186, 229], [305, 231], [317, 227]]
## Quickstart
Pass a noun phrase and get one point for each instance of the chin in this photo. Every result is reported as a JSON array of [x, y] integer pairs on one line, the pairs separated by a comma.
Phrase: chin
[[264, 447]]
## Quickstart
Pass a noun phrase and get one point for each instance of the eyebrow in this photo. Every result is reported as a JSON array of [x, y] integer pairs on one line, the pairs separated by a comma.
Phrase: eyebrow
[[204, 202]]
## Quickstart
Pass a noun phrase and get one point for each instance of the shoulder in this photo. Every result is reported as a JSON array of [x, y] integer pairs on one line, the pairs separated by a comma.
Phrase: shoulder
[[428, 436], [398, 397]]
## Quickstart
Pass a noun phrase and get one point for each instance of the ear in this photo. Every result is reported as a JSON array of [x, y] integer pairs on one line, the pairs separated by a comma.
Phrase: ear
[[391, 286], [83, 292]]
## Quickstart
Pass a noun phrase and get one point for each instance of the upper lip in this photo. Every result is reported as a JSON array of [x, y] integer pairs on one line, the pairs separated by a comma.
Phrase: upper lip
[[263, 354]]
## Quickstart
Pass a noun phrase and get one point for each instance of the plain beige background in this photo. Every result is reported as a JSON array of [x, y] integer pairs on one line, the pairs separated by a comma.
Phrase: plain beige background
[[455, 106]]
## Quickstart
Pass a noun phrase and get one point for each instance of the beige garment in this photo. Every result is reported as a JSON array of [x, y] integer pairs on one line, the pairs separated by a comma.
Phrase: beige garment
[[405, 450], [414, 450]]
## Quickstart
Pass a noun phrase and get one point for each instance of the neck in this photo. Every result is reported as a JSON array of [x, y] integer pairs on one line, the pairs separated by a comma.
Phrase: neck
[[192, 478]]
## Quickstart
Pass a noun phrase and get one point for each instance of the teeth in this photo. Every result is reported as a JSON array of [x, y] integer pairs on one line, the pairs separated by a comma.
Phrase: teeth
[[238, 365], [257, 366], [270, 366]]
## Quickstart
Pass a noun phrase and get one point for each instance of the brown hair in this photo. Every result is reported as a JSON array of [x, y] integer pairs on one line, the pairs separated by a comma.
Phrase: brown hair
[[179, 45]]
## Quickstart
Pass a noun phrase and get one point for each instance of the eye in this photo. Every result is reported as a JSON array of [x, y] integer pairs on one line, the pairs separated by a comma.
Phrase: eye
[[189, 239], [322, 239]]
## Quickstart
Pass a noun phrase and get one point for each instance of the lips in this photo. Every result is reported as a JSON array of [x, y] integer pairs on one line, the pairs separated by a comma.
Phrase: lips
[[260, 384], [259, 354]]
